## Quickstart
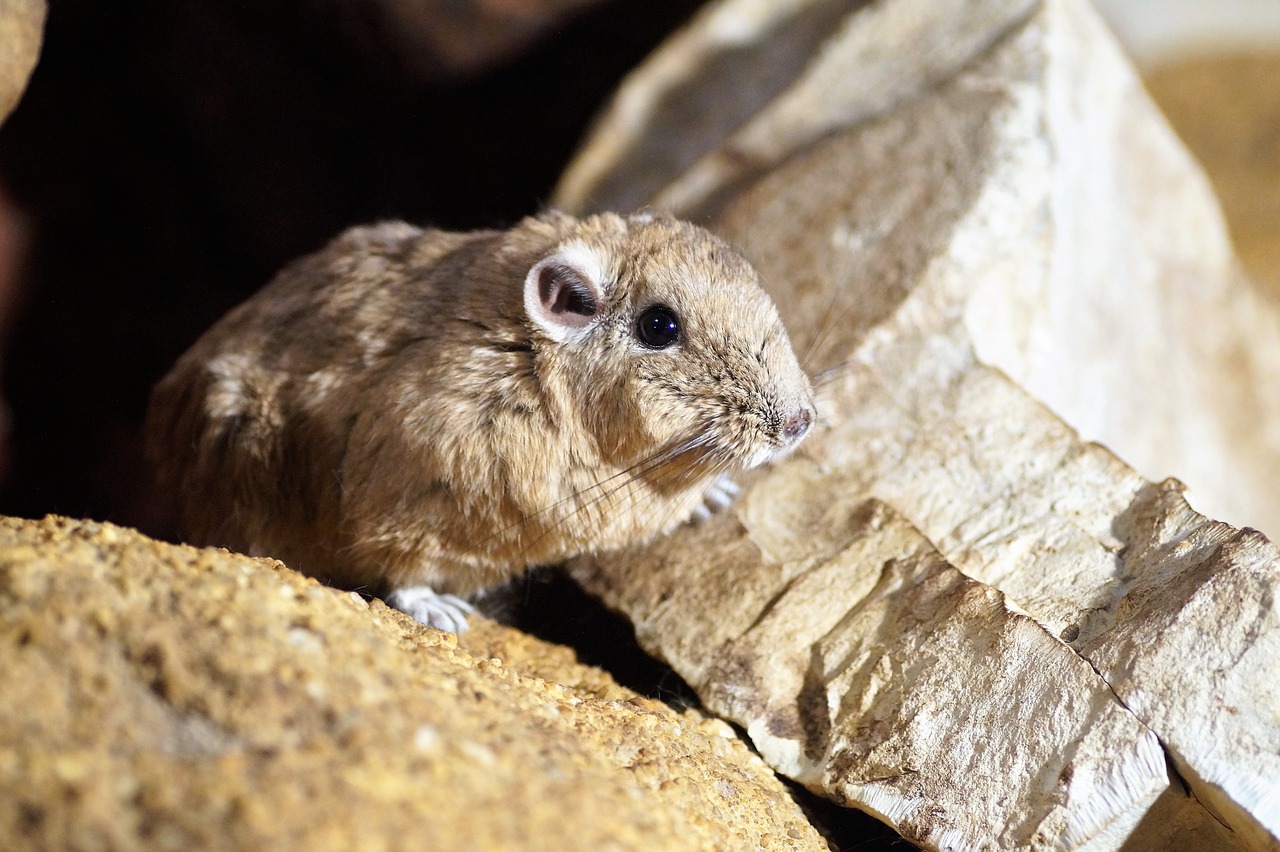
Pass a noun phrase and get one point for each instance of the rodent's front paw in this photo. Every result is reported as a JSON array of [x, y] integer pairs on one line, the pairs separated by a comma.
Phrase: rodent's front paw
[[719, 494], [422, 603]]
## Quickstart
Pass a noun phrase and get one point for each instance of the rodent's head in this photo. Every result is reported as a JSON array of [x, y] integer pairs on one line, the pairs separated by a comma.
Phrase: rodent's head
[[662, 334]]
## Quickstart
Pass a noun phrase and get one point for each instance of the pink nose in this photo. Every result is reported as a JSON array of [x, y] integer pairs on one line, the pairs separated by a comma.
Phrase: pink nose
[[795, 427]]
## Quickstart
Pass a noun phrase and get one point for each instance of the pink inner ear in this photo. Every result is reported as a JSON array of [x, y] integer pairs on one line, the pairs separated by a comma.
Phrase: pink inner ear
[[565, 296]]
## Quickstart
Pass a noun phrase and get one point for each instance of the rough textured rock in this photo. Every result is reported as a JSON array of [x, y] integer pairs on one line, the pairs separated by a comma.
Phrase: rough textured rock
[[795, 617], [21, 27], [877, 672], [1008, 255], [1094, 291], [170, 697]]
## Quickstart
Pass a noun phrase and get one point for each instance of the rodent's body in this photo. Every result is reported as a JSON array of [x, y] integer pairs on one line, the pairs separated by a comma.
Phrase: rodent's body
[[419, 407]]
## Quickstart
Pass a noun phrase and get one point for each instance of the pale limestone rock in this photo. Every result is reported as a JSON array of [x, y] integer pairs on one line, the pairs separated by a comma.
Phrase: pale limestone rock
[[1103, 248], [744, 127], [21, 31], [1013, 235], [798, 634], [165, 697], [1191, 644], [849, 678]]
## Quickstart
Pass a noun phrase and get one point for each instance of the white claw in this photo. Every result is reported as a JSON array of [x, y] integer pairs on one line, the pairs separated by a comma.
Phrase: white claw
[[422, 603], [718, 496]]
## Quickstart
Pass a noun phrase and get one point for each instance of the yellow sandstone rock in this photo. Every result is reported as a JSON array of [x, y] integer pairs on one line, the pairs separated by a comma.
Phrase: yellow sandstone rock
[[167, 697]]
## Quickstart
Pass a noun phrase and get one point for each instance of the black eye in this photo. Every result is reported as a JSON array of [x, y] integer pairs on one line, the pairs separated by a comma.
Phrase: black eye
[[658, 327]]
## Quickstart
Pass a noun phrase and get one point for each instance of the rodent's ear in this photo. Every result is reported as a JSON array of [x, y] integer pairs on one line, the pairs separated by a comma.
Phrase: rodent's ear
[[563, 292]]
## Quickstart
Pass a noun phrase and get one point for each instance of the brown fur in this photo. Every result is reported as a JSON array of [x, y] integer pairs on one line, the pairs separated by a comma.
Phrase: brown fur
[[386, 412]]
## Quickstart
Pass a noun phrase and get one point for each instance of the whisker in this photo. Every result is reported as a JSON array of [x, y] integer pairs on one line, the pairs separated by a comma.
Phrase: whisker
[[685, 447], [657, 458], [680, 477], [722, 464], [651, 501], [830, 374], [828, 325], [652, 463]]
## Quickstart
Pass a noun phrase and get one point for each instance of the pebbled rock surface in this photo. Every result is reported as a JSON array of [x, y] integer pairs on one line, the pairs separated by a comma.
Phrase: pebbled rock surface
[[168, 697]]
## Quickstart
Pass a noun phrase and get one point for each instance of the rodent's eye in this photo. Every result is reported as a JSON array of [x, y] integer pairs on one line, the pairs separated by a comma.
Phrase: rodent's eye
[[658, 327]]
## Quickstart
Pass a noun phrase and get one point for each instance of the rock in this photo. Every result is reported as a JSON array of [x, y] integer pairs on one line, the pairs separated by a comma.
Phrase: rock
[[1002, 257], [810, 52], [1190, 642], [167, 697], [884, 677], [21, 29], [1093, 296]]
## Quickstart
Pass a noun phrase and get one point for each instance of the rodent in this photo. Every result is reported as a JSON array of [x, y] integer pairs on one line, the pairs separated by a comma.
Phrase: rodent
[[432, 412]]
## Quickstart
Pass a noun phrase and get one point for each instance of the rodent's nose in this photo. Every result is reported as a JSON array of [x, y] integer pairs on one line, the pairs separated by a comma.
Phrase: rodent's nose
[[797, 425]]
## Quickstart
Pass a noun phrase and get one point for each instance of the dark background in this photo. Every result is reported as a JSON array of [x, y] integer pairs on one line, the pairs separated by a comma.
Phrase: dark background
[[170, 155]]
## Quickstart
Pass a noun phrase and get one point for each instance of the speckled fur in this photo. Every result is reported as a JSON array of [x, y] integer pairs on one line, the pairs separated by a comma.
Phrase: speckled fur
[[386, 413]]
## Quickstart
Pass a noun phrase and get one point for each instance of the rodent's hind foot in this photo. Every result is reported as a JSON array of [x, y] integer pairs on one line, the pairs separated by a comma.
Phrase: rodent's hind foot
[[425, 604], [718, 496]]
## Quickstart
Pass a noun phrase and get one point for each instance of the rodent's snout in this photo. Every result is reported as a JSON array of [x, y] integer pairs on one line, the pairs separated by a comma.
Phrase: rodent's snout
[[791, 431], [797, 425]]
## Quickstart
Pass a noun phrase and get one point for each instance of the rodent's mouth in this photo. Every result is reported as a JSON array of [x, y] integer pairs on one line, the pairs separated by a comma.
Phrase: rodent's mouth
[[785, 440], [764, 455], [771, 452]]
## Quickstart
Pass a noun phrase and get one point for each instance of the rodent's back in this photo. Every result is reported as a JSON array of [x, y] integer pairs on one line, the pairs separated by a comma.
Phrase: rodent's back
[[249, 429]]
